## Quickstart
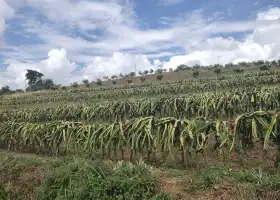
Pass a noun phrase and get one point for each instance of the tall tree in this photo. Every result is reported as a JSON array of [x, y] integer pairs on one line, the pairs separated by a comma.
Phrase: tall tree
[[48, 83], [33, 77], [5, 90], [217, 71], [195, 73], [85, 81]]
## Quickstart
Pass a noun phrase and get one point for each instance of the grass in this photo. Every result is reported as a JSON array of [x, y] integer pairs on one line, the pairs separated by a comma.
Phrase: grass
[[27, 177], [224, 183], [24, 177]]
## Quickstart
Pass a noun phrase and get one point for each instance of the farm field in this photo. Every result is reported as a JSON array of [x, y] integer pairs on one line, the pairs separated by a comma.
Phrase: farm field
[[189, 139]]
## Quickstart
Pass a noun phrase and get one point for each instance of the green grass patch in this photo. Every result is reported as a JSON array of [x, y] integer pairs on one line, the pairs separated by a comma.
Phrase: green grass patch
[[24, 178]]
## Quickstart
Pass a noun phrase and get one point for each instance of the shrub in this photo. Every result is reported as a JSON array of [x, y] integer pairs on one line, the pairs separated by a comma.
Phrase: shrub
[[98, 81], [195, 73], [264, 67], [75, 84], [160, 77], [142, 78]]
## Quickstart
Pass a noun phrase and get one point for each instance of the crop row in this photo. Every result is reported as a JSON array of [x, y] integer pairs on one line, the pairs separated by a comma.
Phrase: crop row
[[213, 105], [152, 90], [143, 136]]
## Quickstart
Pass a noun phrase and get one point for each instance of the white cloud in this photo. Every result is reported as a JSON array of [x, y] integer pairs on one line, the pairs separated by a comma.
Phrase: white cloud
[[262, 43], [5, 12], [118, 42], [118, 63], [56, 67], [63, 71]]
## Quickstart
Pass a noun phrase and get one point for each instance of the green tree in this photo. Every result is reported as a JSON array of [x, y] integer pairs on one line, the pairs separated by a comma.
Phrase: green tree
[[48, 84], [86, 82], [151, 71], [114, 77], [75, 84], [132, 74], [142, 78], [98, 81], [238, 70], [218, 71], [229, 65], [195, 73], [33, 77], [5, 90], [264, 67], [146, 72], [159, 77], [159, 71]]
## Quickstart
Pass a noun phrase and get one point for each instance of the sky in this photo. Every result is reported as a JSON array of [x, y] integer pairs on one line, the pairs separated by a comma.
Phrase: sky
[[73, 40]]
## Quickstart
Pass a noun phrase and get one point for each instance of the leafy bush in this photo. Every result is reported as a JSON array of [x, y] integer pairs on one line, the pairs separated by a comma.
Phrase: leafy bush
[[86, 180], [75, 84], [142, 78], [98, 81], [160, 77], [264, 67]]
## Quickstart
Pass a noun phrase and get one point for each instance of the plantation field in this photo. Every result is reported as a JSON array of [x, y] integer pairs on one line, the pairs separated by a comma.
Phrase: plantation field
[[204, 137]]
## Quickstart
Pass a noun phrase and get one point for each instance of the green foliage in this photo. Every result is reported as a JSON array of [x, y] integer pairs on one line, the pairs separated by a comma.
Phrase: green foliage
[[159, 71], [98, 81], [160, 77], [142, 78], [217, 71], [75, 84], [114, 77], [264, 67], [146, 72], [195, 73], [5, 90], [86, 180], [86, 82], [238, 70], [33, 77]]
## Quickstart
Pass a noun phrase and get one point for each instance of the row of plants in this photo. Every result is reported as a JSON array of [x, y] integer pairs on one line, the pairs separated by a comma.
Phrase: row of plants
[[144, 137], [151, 90], [213, 105]]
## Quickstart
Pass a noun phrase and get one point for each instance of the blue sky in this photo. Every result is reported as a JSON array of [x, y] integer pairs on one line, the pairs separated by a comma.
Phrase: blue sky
[[69, 40]]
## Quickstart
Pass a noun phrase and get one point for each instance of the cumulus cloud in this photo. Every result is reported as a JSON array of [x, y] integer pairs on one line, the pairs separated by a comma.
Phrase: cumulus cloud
[[116, 64], [5, 12], [56, 66], [104, 38], [261, 43], [59, 68]]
